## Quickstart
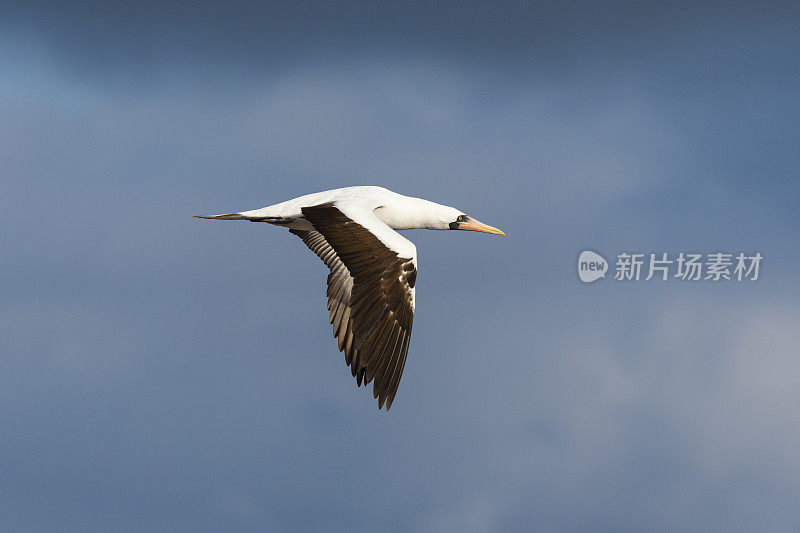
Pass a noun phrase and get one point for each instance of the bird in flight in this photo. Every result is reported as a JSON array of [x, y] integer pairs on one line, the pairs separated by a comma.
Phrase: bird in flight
[[373, 269]]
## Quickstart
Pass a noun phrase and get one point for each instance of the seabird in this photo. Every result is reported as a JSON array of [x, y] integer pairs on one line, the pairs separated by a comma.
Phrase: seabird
[[373, 269]]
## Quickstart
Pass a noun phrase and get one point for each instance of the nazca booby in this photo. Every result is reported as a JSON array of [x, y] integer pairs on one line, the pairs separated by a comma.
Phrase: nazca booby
[[373, 269]]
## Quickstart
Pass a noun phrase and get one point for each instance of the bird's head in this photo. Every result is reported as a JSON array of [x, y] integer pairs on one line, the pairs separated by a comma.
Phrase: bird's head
[[464, 222], [413, 213]]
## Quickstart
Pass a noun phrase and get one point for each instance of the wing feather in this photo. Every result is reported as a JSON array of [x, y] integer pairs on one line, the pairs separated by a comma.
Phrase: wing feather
[[370, 292]]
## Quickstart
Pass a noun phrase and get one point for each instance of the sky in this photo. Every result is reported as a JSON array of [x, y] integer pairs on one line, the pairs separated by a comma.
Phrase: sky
[[163, 373]]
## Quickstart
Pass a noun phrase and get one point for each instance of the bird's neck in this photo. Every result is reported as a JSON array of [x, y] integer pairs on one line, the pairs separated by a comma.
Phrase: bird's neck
[[405, 212]]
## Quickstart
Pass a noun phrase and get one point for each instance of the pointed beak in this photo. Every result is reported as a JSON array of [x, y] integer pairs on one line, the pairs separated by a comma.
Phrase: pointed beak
[[474, 225]]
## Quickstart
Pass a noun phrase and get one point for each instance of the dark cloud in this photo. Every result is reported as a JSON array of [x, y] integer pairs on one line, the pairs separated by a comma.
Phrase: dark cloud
[[164, 373], [539, 35]]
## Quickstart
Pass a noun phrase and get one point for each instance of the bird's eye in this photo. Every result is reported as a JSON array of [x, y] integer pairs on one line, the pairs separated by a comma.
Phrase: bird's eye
[[460, 218]]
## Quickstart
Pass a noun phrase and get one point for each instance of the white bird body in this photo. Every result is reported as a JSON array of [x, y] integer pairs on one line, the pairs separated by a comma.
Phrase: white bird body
[[397, 211], [373, 269]]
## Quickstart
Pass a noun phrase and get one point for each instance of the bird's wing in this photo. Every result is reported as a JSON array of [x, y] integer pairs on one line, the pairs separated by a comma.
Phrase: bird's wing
[[370, 291]]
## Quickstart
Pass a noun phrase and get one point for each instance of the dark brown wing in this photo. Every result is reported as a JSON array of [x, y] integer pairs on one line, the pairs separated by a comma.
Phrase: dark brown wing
[[370, 297]]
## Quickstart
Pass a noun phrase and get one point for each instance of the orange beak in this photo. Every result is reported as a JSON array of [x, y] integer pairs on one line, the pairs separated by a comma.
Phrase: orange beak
[[474, 225]]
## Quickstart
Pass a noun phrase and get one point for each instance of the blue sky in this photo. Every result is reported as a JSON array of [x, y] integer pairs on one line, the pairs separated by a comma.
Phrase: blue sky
[[164, 373]]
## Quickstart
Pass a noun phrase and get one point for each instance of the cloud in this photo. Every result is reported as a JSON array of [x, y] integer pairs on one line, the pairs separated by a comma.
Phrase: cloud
[[695, 409], [183, 370]]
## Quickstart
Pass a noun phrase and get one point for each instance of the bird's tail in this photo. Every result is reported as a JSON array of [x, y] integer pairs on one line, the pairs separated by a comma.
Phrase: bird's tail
[[252, 216], [227, 216]]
